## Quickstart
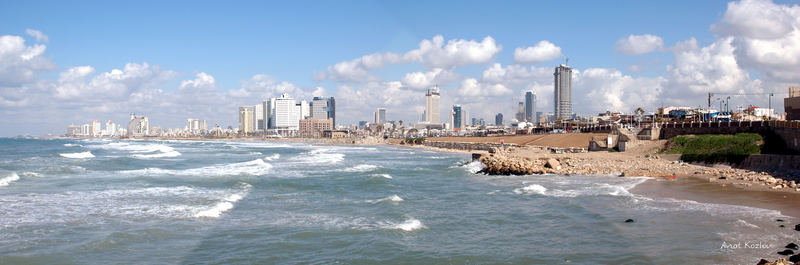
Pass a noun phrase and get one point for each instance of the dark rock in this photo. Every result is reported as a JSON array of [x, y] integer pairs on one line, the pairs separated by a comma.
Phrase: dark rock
[[778, 220], [797, 227], [476, 156], [781, 226], [795, 258], [629, 220], [762, 262], [722, 178], [791, 246], [786, 252]]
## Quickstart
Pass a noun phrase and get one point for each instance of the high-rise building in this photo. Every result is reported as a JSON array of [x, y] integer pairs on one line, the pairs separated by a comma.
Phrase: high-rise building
[[380, 116], [96, 129], [138, 126], [259, 124], [498, 119], [269, 113], [432, 105], [562, 92], [73, 130], [305, 111], [247, 119], [456, 117], [530, 107], [323, 108], [287, 114], [520, 116], [110, 128]]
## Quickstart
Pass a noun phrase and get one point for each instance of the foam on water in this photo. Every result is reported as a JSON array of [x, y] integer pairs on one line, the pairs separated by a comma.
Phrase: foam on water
[[393, 198], [409, 225], [321, 156], [361, 168], [253, 167], [386, 176], [272, 157], [72, 145], [531, 189], [223, 206], [11, 177], [576, 189], [87, 154], [143, 151], [474, 166]]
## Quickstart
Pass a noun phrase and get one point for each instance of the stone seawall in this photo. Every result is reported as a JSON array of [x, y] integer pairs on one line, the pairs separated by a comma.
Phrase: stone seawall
[[490, 147], [771, 162]]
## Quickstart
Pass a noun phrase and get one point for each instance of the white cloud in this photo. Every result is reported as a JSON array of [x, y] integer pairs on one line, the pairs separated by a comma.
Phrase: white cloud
[[262, 86], [541, 52], [202, 82], [708, 69], [471, 89], [638, 44], [19, 63], [515, 75], [634, 68], [600, 89], [420, 80], [766, 38], [38, 35], [758, 19], [433, 54]]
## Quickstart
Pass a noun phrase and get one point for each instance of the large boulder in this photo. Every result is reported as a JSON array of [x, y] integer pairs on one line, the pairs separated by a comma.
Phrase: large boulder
[[552, 163]]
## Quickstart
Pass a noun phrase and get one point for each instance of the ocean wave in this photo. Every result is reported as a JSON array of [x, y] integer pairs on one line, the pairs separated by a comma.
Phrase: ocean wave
[[8, 179], [140, 150], [87, 154], [224, 205], [320, 156], [585, 189], [474, 166], [73, 145], [255, 153], [745, 223], [393, 198], [386, 176], [361, 168], [253, 167], [272, 157], [408, 225], [31, 174]]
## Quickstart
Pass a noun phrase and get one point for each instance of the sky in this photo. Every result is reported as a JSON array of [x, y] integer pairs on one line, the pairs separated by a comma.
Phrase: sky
[[65, 63]]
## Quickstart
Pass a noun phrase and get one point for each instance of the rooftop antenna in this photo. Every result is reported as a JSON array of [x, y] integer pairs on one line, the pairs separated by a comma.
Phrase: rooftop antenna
[[567, 63]]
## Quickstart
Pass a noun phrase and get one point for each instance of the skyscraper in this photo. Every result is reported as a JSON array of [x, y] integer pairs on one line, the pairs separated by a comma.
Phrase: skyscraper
[[456, 118], [562, 92], [247, 119], [287, 113], [498, 119], [520, 116], [530, 107], [380, 116], [324, 108], [432, 105]]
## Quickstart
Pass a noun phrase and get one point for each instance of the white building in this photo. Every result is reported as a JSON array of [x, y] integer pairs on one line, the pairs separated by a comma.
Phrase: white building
[[260, 125], [111, 128], [247, 119], [305, 110], [96, 129], [138, 126], [287, 113], [432, 105]]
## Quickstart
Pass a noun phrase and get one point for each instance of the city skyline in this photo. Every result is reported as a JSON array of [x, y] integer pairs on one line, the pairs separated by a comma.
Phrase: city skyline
[[51, 75]]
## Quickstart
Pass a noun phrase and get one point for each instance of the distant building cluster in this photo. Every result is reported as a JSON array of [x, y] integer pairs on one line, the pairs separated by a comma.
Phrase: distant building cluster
[[284, 116]]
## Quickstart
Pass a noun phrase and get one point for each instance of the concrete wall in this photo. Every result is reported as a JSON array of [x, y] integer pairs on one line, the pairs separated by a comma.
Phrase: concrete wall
[[787, 131], [768, 161], [488, 146], [791, 136]]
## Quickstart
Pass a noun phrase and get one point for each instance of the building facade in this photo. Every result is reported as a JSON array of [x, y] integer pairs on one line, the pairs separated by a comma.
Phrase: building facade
[[562, 92], [314, 127], [287, 114], [432, 105], [138, 126], [498, 119], [323, 108], [456, 119], [530, 107], [380, 115], [247, 119]]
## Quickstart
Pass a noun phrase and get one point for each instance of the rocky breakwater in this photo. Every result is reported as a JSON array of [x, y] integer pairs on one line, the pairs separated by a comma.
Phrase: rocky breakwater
[[497, 164]]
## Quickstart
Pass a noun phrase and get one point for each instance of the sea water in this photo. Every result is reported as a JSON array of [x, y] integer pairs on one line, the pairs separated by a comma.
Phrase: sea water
[[213, 202]]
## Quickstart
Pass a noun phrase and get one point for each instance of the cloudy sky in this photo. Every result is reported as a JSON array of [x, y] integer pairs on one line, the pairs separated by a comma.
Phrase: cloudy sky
[[73, 62]]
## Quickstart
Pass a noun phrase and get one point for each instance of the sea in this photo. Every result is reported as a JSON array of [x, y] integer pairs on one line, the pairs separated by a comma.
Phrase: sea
[[67, 201]]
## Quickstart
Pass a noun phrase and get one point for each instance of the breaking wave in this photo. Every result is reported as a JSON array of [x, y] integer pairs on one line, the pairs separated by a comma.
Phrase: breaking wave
[[361, 168], [87, 154], [224, 205], [143, 151], [254, 168], [408, 225], [393, 198], [8, 179], [321, 156]]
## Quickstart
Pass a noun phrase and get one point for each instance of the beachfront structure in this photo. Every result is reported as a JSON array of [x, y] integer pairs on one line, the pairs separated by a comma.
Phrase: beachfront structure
[[246, 119], [314, 127], [432, 105], [258, 117], [196, 125], [96, 129], [138, 126], [562, 92], [269, 113], [287, 114], [498, 119], [305, 111], [530, 107], [323, 108], [111, 128], [456, 117], [791, 104], [380, 116], [73, 130]]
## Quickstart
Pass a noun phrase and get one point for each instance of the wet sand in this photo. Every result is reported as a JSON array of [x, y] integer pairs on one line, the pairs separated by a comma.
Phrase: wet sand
[[695, 189]]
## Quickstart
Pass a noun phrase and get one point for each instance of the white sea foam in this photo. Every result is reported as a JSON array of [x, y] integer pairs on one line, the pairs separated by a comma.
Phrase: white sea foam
[[386, 176], [31, 174], [474, 166], [144, 151], [321, 156], [254, 167], [531, 189], [73, 145], [87, 154], [745, 223], [272, 157], [255, 153], [8, 179], [410, 224], [224, 205], [393, 198], [361, 168]]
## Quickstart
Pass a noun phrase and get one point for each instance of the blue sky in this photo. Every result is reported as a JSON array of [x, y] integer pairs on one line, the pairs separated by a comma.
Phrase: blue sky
[[291, 41]]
